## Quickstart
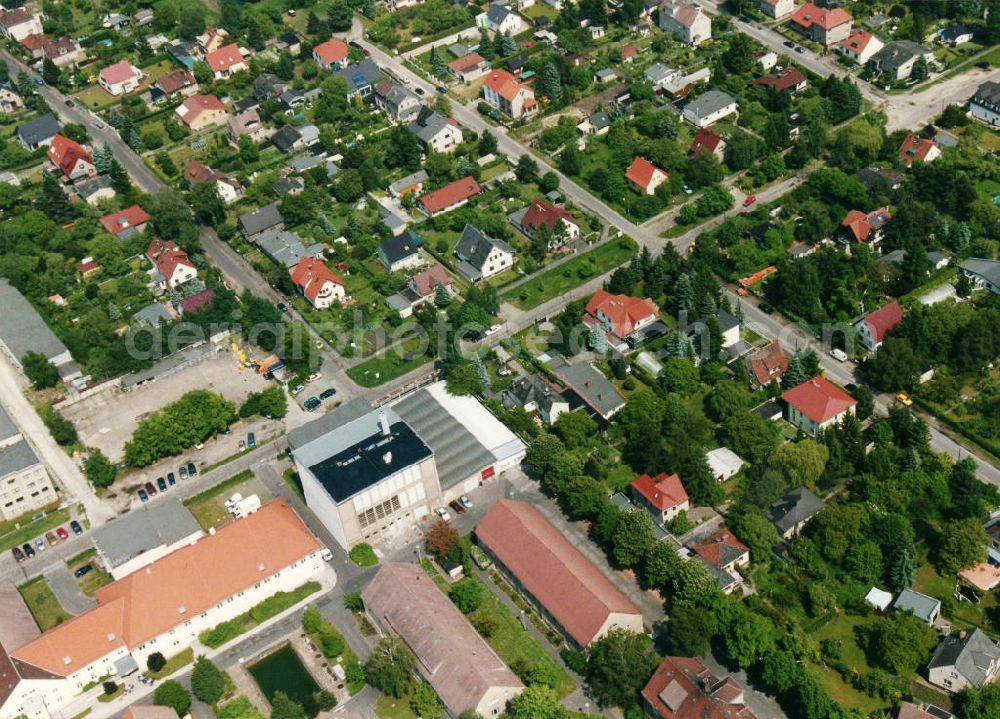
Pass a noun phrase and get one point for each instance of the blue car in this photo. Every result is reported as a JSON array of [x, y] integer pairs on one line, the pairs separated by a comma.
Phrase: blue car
[[143, 497], [171, 480], [251, 440]]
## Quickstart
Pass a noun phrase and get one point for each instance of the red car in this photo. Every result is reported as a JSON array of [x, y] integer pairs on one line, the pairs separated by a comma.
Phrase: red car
[[750, 200], [150, 489], [63, 534], [18, 554]]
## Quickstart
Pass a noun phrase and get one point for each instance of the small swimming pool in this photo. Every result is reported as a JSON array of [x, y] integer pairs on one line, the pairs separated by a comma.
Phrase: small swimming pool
[[283, 671]]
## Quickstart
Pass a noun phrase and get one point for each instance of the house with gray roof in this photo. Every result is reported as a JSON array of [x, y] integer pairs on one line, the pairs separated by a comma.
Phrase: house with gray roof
[[268, 87], [501, 19], [410, 183], [659, 75], [926, 609], [709, 108], [401, 252], [535, 395], [38, 132], [588, 384], [897, 58], [982, 273], [435, 132], [288, 139], [152, 315], [144, 535], [598, 123], [481, 256], [23, 330], [253, 224], [290, 185], [361, 79], [400, 104], [286, 248], [964, 659], [792, 512], [95, 189]]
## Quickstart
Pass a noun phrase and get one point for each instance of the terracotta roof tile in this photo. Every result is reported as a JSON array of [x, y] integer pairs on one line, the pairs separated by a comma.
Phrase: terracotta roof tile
[[451, 194], [884, 320], [819, 399], [662, 491], [641, 172]]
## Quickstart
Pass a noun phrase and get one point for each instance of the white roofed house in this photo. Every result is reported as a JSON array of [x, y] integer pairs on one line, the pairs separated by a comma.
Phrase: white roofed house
[[724, 462], [686, 20]]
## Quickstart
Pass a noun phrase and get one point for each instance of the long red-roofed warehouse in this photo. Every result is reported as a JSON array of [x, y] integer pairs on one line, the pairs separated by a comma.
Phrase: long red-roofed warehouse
[[565, 585]]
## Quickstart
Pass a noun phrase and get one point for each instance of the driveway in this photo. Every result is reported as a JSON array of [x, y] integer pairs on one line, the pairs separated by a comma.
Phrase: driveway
[[66, 589]]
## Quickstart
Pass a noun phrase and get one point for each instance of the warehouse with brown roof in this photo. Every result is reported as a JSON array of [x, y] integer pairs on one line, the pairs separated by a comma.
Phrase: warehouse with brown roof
[[461, 667], [565, 585]]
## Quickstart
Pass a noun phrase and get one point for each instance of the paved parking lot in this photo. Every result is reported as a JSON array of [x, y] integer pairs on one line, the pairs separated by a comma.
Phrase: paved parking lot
[[107, 420]]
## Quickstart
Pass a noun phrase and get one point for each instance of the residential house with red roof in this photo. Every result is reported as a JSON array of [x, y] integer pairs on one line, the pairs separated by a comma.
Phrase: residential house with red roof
[[247, 123], [620, 316], [162, 608], [172, 264], [825, 26], [817, 404], [504, 92], [776, 9], [318, 283], [450, 196], [201, 111], [918, 149], [18, 23], [126, 223], [867, 228], [644, 176], [120, 78], [178, 82], [860, 46], [789, 80], [684, 688], [572, 593], [469, 67], [71, 158], [906, 710], [63, 52], [33, 44], [689, 22], [226, 61], [332, 53], [628, 53], [228, 187], [707, 141], [873, 327], [195, 302], [212, 39], [663, 496], [766, 364], [544, 216], [724, 555]]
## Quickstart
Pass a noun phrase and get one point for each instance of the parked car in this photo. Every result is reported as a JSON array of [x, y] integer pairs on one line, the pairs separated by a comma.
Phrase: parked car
[[251, 440], [311, 403], [161, 484], [83, 571], [443, 513], [789, 43], [75, 526], [766, 308], [70, 103], [63, 534], [750, 200], [243, 445], [182, 470], [800, 50], [456, 506], [493, 330], [466, 502], [327, 393], [51, 538], [143, 497], [419, 91], [904, 400], [282, 307], [355, 44], [314, 376], [18, 554], [40, 545], [838, 354], [150, 489], [442, 89], [297, 388], [171, 479], [29, 551], [192, 470]]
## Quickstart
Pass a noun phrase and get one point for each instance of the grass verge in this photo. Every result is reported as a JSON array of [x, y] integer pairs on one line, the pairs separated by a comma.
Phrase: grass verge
[[258, 614], [174, 663], [43, 604]]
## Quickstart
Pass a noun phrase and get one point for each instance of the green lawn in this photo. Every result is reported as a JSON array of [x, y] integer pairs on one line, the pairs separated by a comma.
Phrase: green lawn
[[94, 579], [541, 10], [392, 363], [560, 280], [388, 707], [209, 508], [842, 629], [42, 604], [174, 663]]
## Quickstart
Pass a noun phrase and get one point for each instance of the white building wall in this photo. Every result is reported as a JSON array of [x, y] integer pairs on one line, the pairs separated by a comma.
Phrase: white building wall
[[150, 556], [322, 504]]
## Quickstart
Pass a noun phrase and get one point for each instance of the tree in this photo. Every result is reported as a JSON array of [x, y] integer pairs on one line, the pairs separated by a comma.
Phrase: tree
[[50, 72], [487, 144], [970, 498], [40, 372], [680, 376], [537, 701], [99, 470], [526, 169], [575, 429], [795, 373], [900, 644], [982, 703], [442, 297], [619, 666], [340, 15], [750, 436], [207, 680], [902, 570], [53, 201], [583, 497], [689, 631], [920, 70], [753, 529], [802, 462], [425, 702], [390, 667], [486, 47], [894, 365], [549, 182], [441, 539], [508, 46], [155, 662], [466, 594], [633, 535], [171, 694], [551, 83], [962, 543], [283, 707], [542, 453], [207, 204], [726, 399], [438, 65]]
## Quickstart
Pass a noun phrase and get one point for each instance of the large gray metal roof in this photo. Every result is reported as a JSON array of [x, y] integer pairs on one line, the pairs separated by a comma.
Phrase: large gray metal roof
[[7, 427], [164, 522], [16, 457], [22, 329], [457, 452]]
